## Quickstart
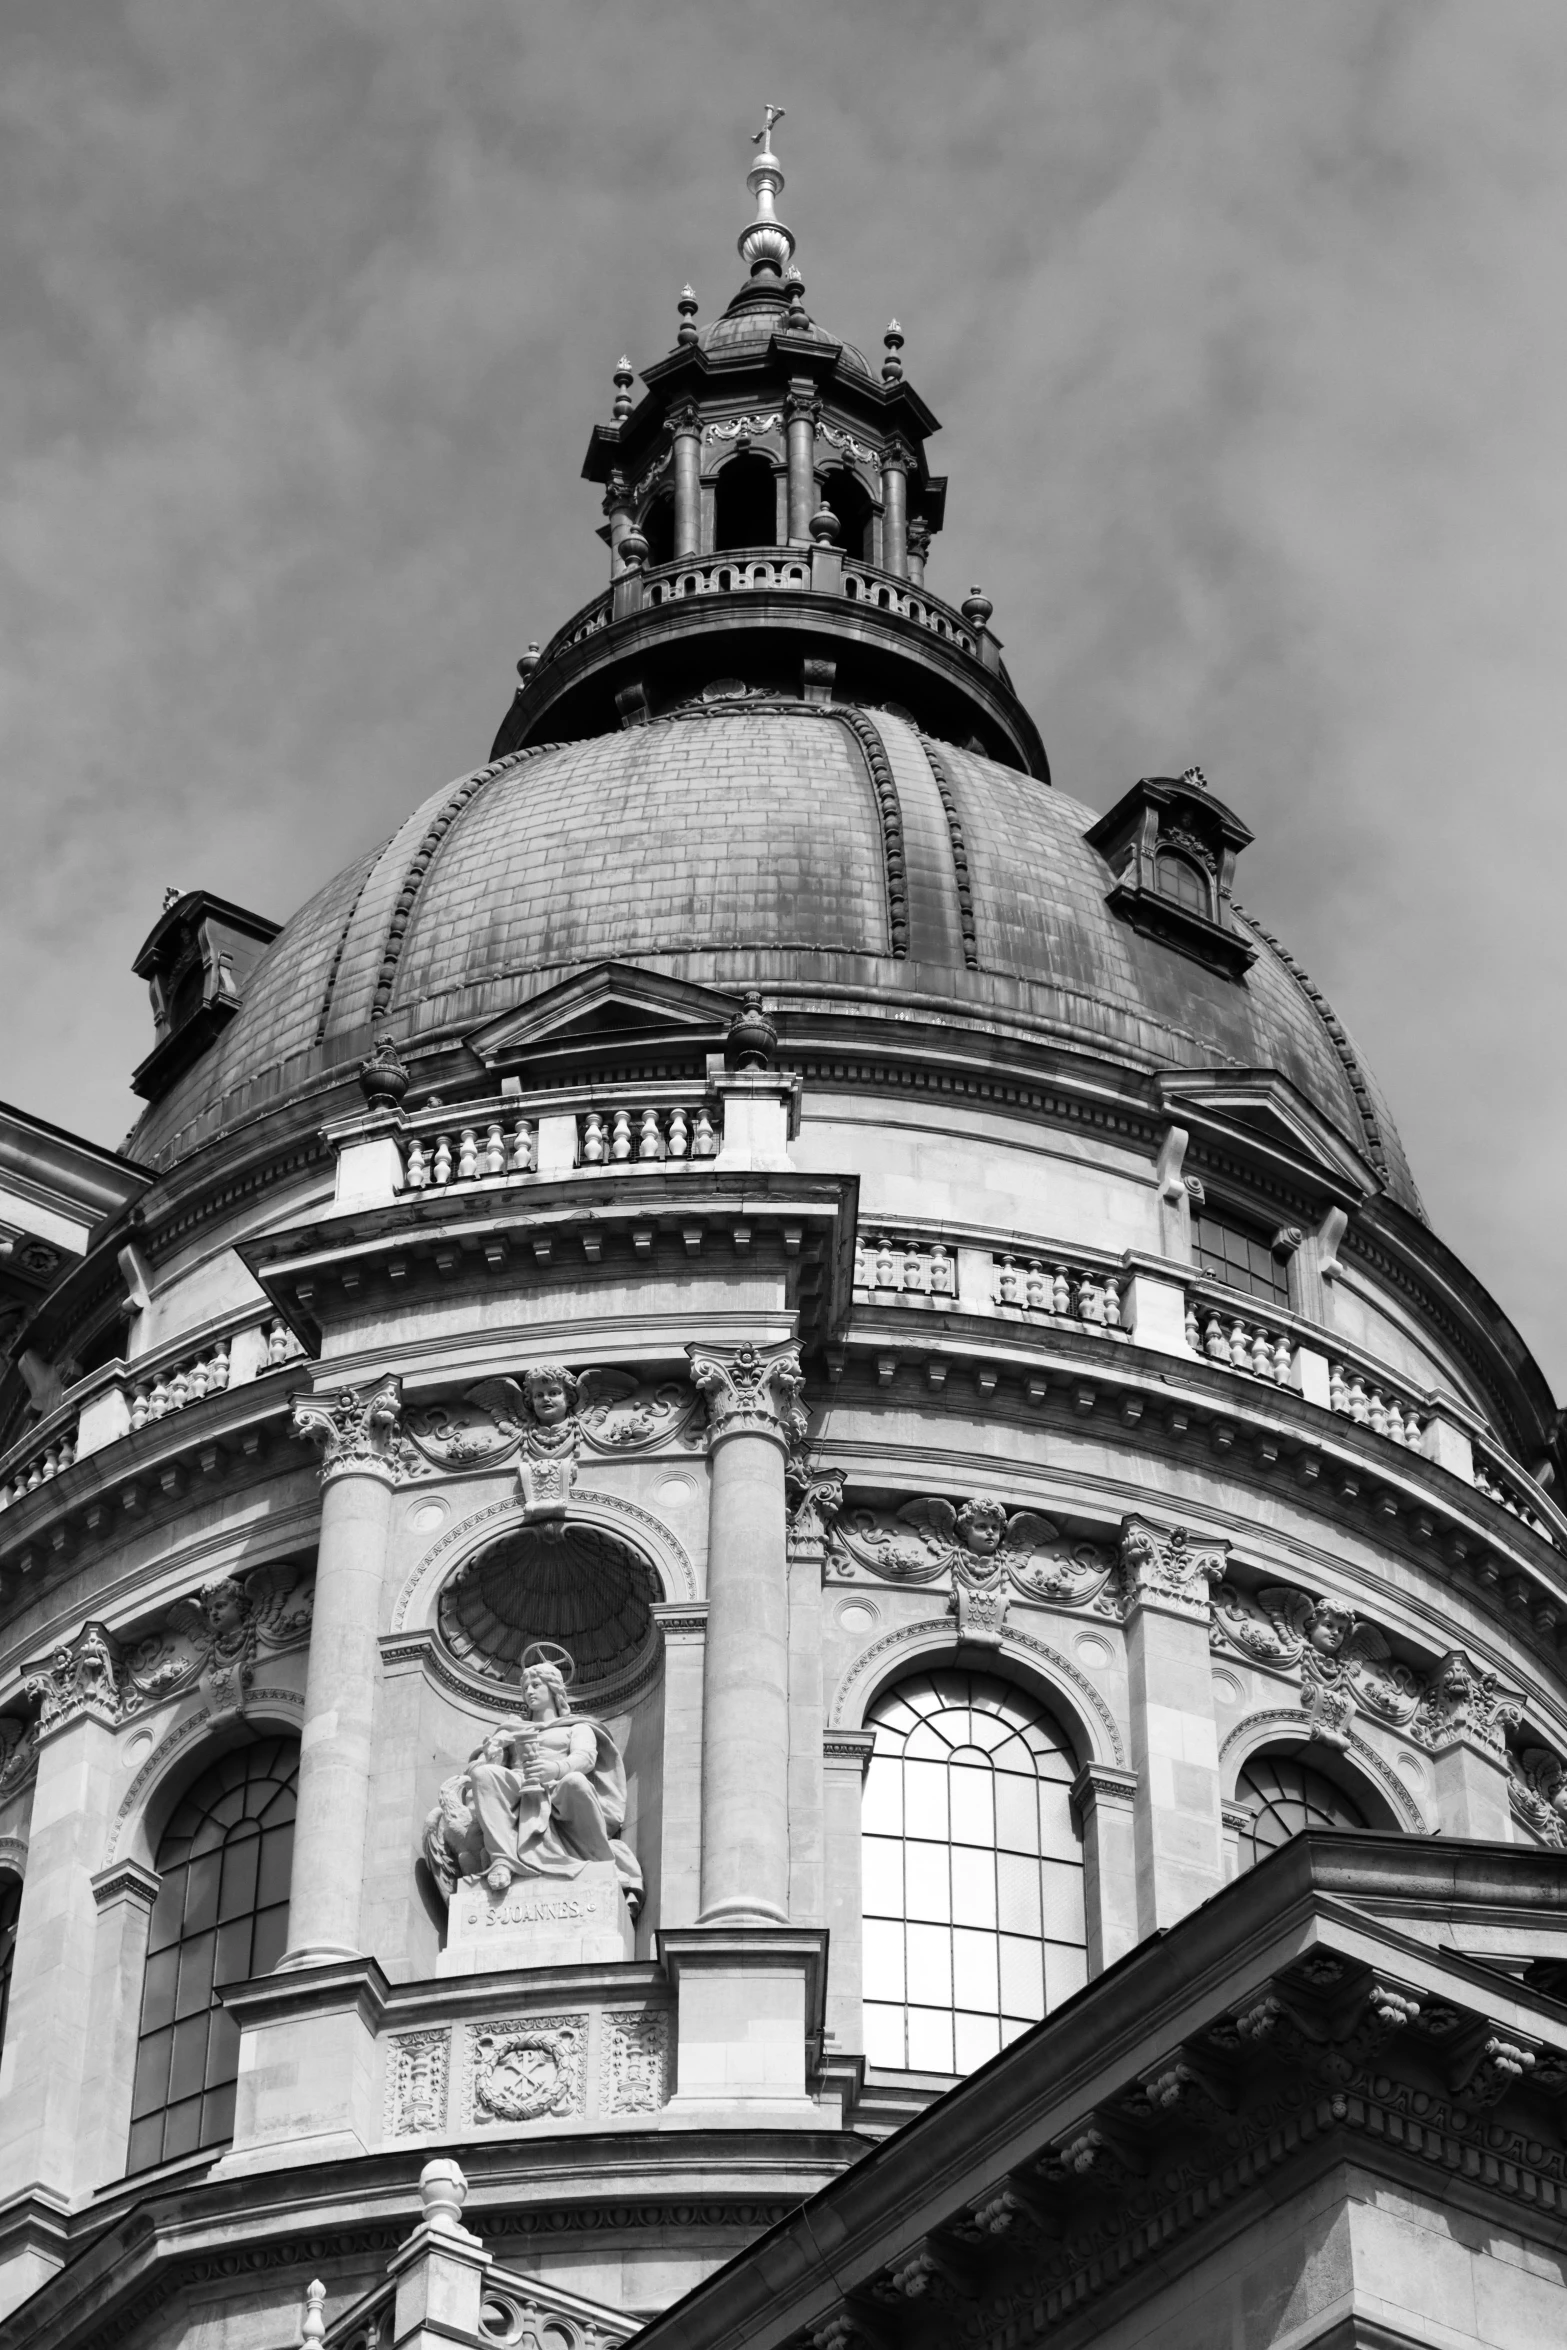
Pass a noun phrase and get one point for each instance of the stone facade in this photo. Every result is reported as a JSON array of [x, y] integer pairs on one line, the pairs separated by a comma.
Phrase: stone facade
[[741, 1209]]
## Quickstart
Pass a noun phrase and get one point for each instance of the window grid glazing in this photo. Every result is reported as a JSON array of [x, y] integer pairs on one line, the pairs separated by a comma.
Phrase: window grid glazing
[[973, 1872], [1177, 877], [221, 1916], [1239, 1255], [1286, 1796]]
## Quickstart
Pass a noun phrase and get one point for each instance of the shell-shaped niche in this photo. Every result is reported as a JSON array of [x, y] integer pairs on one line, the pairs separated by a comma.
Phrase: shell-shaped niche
[[570, 1585]]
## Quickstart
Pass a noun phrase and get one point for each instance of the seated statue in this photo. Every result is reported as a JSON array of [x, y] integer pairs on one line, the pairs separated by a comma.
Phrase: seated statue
[[539, 1798]]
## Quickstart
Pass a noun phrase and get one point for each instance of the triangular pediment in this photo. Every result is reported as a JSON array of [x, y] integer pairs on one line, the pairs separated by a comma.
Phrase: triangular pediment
[[1260, 1104], [611, 1004]]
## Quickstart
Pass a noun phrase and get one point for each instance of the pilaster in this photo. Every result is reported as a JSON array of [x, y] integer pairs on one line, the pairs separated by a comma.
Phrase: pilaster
[[684, 1626], [1177, 1827], [1104, 1800]]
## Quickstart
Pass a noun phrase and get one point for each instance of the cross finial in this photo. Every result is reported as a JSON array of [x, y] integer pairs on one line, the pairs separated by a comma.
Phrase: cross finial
[[764, 137]]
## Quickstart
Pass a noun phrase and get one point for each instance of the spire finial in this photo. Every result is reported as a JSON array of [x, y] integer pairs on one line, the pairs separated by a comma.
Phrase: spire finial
[[687, 307], [623, 382], [767, 246], [892, 365]]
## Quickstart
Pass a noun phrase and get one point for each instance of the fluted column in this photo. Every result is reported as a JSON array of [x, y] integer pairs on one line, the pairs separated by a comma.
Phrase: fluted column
[[895, 511], [357, 1431], [801, 408], [753, 1415], [687, 427]]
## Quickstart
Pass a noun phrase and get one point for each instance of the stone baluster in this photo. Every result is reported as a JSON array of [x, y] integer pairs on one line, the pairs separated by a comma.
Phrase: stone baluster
[[357, 1431], [753, 1415]]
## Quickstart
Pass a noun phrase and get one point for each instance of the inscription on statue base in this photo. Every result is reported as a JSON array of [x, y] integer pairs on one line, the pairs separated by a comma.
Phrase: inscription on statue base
[[538, 1921]]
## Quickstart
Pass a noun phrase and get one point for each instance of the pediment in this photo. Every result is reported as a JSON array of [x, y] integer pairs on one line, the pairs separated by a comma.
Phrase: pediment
[[613, 1004], [1262, 1104]]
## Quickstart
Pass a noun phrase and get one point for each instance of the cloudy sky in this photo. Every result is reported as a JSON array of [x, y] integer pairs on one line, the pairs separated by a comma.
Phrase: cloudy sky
[[1243, 317]]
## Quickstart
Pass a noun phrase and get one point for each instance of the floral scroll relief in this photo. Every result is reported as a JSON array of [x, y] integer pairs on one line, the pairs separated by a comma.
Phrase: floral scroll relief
[[987, 1552], [416, 2069], [1347, 1665]]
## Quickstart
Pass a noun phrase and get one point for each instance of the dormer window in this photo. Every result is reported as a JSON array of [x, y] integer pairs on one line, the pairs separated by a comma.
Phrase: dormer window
[[1172, 849], [1178, 877], [196, 964]]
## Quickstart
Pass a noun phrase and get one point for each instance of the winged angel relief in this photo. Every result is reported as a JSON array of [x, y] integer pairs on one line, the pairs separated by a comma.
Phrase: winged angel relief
[[544, 1420], [1343, 1660], [985, 1549]]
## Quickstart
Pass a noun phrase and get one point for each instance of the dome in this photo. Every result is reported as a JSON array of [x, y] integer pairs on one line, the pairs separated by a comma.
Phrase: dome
[[741, 331], [746, 841]]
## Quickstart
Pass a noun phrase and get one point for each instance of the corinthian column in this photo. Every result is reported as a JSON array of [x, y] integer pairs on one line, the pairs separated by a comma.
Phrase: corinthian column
[[686, 425], [357, 1432], [753, 1415]]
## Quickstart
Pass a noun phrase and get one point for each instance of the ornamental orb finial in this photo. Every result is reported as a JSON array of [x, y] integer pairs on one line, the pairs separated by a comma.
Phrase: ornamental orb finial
[[892, 365], [794, 286], [623, 383], [976, 607], [687, 309], [767, 246]]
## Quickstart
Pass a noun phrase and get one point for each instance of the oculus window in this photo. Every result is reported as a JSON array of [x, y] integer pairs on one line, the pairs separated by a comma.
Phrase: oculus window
[[1285, 1796], [1239, 1254], [221, 1916], [973, 1872]]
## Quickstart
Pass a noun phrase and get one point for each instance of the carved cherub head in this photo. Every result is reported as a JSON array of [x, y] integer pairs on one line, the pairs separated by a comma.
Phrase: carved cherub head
[[223, 1604], [1330, 1627], [551, 1391], [982, 1527]]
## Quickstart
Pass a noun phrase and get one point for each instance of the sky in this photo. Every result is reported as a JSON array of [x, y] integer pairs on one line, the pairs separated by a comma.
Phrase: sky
[[1243, 319]]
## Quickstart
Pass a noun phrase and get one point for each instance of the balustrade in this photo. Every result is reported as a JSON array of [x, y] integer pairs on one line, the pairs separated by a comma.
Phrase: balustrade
[[1516, 1495], [1065, 1292], [493, 1151], [777, 569], [1244, 1342], [171, 1385], [1372, 1405], [909, 1268]]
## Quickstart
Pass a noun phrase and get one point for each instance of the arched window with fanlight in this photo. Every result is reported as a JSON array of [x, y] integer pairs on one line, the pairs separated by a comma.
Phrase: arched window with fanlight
[[1284, 1796], [1183, 879], [221, 1916], [972, 1871]]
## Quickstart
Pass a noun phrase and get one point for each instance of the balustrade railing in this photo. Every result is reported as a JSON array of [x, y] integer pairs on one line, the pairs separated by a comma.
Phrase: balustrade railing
[[907, 1268], [1063, 1291], [640, 1132], [1220, 1333], [1501, 1483], [169, 1383], [747, 570], [1377, 1405]]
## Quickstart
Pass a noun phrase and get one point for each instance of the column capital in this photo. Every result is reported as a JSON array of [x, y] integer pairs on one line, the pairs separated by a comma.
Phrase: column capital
[[1165, 1568], [356, 1429], [81, 1678], [685, 421], [751, 1391]]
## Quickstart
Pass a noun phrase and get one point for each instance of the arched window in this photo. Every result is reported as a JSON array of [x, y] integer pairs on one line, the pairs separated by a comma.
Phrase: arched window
[[745, 505], [845, 495], [10, 1910], [221, 1916], [973, 1872], [1178, 877], [1284, 1796]]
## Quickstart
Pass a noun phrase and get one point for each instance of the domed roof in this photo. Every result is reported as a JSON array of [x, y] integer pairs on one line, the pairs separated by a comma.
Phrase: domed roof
[[756, 840], [752, 327]]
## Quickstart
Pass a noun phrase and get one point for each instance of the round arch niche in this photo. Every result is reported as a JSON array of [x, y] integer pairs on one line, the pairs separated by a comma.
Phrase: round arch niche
[[576, 1585]]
